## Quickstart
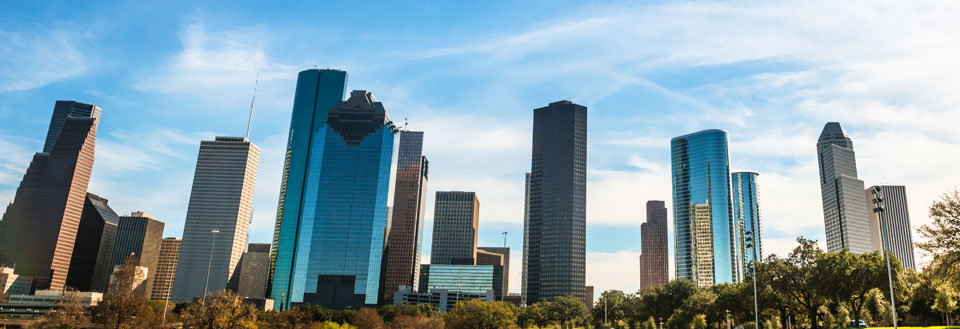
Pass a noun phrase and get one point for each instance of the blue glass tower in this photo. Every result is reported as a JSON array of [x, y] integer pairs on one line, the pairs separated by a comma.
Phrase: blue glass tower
[[746, 212], [332, 213], [705, 234]]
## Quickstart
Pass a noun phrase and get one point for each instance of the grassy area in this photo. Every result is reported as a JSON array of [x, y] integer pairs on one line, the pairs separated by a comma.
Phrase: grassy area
[[934, 327]]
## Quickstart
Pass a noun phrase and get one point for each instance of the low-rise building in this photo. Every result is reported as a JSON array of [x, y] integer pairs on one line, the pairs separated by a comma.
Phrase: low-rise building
[[43, 301], [443, 299], [12, 283]]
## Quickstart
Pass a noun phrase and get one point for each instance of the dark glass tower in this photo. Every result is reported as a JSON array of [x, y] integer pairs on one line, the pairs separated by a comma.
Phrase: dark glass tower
[[39, 228], [334, 197], [138, 235], [91, 252], [706, 236], [746, 213], [654, 262], [556, 226], [405, 240]]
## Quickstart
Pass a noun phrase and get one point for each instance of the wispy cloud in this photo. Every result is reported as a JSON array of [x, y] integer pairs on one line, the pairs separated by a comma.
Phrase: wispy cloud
[[34, 59]]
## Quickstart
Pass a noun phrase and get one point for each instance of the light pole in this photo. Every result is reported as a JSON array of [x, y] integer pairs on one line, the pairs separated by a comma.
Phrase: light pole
[[752, 246], [203, 301], [661, 323], [728, 319], [879, 209], [166, 300]]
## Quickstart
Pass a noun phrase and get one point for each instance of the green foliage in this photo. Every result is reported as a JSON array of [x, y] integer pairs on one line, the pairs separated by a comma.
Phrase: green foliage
[[567, 311], [649, 324], [223, 309], [614, 304], [946, 302], [476, 313], [846, 277], [533, 315], [124, 301], [334, 325], [876, 307], [942, 236], [68, 314], [699, 322]]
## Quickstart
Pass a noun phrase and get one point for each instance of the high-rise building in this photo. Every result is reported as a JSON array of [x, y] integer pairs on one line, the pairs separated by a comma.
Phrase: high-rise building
[[39, 228], [90, 263], [556, 226], [455, 220], [504, 253], [526, 233], [166, 268], [253, 271], [706, 236], [844, 206], [218, 215], [895, 226], [746, 214], [654, 264], [138, 236], [336, 185], [405, 240]]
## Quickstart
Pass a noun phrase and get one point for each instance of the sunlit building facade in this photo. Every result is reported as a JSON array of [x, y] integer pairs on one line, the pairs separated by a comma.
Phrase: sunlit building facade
[[746, 214], [844, 204]]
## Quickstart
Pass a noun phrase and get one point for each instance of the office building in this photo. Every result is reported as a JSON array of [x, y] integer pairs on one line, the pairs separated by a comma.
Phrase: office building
[[895, 226], [335, 189], [443, 299], [405, 240], [27, 306], [138, 236], [746, 214], [588, 292], [90, 263], [468, 279], [844, 208], [504, 254], [218, 215], [556, 225], [12, 283], [456, 217], [706, 238], [654, 264], [254, 267], [39, 228], [166, 269]]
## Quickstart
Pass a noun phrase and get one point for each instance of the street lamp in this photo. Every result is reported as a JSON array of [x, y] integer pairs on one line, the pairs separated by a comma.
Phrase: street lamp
[[203, 301], [661, 323], [751, 245], [879, 209], [728, 319]]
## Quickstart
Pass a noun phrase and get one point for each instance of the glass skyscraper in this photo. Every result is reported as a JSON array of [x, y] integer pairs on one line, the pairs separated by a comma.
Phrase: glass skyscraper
[[705, 234], [746, 212], [332, 214], [844, 204]]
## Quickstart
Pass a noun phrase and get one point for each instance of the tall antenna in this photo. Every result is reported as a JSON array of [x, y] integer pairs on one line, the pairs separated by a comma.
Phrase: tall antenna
[[250, 119]]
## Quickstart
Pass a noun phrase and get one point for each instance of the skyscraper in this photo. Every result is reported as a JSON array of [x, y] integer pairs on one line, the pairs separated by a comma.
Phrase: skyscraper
[[455, 221], [39, 228], [844, 206], [139, 236], [746, 214], [556, 225], [895, 227], [653, 243], [166, 268], [332, 214], [405, 240], [504, 253], [90, 263], [253, 272], [220, 201], [705, 233]]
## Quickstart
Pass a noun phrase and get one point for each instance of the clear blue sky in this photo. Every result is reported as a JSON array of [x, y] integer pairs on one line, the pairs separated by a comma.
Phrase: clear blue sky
[[770, 73]]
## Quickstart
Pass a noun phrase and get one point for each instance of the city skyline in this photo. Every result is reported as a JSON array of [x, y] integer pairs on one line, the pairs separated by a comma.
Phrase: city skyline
[[195, 81]]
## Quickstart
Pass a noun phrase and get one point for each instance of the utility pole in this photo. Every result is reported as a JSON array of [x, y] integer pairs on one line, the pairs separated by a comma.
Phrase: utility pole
[[879, 209]]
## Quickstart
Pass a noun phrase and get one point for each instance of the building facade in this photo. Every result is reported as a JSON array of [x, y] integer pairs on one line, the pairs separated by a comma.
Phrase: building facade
[[556, 225], [746, 214], [526, 233], [221, 200], [443, 299], [39, 228], [467, 279], [456, 219], [405, 240], [254, 267], [90, 263], [335, 191], [138, 236], [654, 264], [12, 283], [844, 206], [166, 269], [706, 237], [504, 253], [894, 230]]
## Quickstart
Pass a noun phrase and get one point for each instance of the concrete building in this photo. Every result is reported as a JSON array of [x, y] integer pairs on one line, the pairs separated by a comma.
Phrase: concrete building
[[455, 222], [556, 225], [90, 263], [654, 262], [405, 240], [26, 306], [844, 207], [12, 283], [218, 215], [895, 226], [254, 267], [138, 236], [166, 269], [504, 254], [138, 284], [588, 291], [39, 228]]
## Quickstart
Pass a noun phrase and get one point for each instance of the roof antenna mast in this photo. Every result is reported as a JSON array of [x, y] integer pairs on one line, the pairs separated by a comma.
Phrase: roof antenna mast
[[250, 118]]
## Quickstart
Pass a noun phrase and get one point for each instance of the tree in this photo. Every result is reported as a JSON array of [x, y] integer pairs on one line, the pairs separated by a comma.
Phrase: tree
[[649, 324], [478, 314], [660, 302], [876, 306], [416, 322], [846, 277], [567, 311], [69, 313], [946, 302], [293, 318], [367, 319], [942, 236], [223, 309], [533, 315], [612, 303], [335, 325], [793, 278], [699, 322], [123, 303]]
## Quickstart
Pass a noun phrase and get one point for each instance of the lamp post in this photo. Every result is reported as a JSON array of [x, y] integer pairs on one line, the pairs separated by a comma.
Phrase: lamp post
[[661, 323], [879, 209], [728, 319], [203, 301], [752, 246]]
